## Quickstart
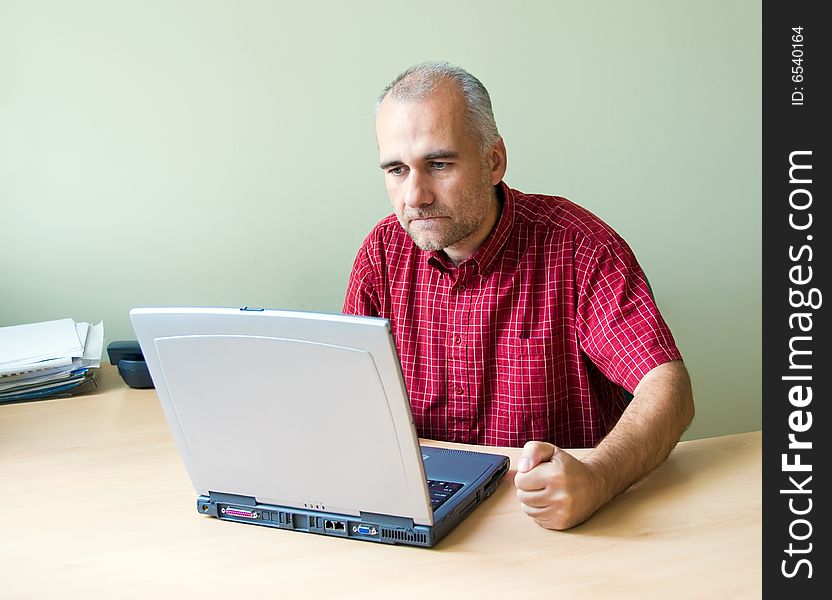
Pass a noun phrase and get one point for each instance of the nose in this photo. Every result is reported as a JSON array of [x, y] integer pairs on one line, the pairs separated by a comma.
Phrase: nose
[[418, 191]]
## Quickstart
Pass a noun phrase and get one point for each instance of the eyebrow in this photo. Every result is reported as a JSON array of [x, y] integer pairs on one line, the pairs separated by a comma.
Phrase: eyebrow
[[427, 157]]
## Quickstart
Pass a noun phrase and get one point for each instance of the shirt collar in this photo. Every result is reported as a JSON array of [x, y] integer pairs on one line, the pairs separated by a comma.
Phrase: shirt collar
[[486, 255]]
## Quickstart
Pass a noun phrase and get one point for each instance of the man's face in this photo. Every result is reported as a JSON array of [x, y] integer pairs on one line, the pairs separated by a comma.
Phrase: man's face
[[440, 182]]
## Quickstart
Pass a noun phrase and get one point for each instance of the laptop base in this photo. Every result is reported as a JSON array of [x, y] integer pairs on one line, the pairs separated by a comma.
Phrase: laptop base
[[369, 527]]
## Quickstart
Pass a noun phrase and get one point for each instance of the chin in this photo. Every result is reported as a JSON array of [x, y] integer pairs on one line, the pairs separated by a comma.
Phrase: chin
[[424, 241], [427, 245]]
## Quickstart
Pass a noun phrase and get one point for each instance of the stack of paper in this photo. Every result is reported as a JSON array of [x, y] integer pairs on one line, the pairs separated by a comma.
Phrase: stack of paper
[[52, 359]]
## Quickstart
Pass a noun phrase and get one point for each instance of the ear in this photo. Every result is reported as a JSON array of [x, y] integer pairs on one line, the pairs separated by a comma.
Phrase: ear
[[497, 161]]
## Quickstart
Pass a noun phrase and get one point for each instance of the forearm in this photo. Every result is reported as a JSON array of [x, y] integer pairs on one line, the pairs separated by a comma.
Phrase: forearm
[[658, 414]]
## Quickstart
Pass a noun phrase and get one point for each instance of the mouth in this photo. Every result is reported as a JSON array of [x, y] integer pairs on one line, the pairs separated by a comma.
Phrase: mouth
[[425, 223], [427, 219]]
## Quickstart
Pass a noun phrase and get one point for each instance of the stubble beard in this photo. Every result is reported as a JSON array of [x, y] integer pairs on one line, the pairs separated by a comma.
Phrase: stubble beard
[[474, 208]]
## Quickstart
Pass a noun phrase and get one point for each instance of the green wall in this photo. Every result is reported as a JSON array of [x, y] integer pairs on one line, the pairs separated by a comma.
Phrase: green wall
[[222, 153]]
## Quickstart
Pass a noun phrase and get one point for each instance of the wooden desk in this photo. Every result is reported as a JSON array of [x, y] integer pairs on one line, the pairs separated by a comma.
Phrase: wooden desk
[[97, 503]]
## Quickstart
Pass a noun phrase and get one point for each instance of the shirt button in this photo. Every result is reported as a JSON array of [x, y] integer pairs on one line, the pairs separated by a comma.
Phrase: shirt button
[[460, 288], [457, 339], [459, 391]]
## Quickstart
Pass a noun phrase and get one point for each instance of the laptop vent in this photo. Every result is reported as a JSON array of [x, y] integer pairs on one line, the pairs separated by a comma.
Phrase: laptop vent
[[401, 535], [469, 455]]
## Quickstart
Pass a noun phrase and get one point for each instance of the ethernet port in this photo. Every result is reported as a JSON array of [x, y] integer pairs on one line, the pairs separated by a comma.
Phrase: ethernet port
[[339, 526]]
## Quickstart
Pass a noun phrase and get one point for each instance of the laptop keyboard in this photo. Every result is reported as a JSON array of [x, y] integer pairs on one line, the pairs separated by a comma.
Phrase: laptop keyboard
[[440, 491]]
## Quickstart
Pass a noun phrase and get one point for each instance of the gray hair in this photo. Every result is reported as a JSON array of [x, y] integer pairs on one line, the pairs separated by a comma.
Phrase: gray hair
[[420, 80]]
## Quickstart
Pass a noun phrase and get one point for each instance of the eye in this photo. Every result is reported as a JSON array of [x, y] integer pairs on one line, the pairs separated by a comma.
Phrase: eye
[[438, 165], [395, 170]]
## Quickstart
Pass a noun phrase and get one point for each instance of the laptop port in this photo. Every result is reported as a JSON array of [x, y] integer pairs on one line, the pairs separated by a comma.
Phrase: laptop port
[[335, 526], [239, 512], [495, 481], [362, 529]]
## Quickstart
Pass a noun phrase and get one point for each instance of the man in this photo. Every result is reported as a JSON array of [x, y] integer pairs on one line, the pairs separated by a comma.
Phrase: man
[[518, 318]]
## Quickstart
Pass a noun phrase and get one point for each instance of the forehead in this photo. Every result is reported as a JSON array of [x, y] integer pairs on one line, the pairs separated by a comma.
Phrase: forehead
[[407, 127]]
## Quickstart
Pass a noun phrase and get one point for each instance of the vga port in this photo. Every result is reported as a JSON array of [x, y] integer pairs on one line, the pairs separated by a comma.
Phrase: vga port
[[364, 529]]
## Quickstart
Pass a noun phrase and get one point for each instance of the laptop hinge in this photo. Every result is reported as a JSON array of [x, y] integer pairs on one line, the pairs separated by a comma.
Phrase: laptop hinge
[[233, 499], [388, 520]]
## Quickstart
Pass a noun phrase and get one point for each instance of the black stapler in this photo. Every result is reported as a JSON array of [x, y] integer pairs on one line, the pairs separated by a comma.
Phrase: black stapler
[[127, 356]]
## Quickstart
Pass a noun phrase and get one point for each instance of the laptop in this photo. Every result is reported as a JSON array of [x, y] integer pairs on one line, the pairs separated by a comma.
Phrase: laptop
[[301, 421]]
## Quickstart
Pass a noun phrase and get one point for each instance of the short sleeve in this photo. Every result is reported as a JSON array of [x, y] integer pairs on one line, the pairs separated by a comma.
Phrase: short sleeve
[[619, 326], [361, 297]]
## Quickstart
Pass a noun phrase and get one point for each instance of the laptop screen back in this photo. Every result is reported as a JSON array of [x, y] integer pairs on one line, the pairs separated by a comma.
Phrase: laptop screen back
[[295, 409]]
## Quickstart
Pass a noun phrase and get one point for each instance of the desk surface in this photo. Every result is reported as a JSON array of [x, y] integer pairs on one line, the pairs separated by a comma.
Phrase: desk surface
[[97, 502]]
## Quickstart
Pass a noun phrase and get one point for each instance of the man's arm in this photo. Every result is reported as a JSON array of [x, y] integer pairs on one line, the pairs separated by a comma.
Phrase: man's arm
[[559, 491], [360, 298]]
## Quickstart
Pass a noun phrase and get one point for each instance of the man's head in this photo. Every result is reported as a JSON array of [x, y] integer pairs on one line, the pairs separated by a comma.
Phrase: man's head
[[442, 156]]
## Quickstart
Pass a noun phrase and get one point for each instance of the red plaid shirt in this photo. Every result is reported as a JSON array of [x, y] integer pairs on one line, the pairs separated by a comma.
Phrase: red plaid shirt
[[530, 338]]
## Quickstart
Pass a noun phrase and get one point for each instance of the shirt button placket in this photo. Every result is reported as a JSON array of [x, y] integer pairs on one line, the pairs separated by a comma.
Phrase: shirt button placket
[[460, 370]]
